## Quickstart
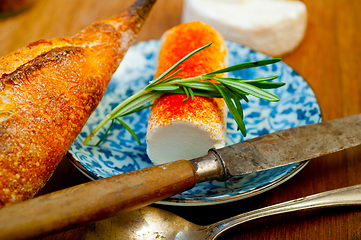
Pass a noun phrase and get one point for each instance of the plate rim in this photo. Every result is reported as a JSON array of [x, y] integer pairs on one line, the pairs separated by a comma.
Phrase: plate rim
[[232, 198]]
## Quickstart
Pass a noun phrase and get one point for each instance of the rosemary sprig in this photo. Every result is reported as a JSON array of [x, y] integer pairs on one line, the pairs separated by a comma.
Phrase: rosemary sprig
[[232, 90]]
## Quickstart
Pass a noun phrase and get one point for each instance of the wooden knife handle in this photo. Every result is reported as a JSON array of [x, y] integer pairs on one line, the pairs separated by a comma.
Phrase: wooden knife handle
[[95, 200]]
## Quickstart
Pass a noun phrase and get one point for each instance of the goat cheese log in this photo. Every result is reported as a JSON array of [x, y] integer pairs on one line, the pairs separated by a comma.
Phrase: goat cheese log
[[48, 91], [185, 130]]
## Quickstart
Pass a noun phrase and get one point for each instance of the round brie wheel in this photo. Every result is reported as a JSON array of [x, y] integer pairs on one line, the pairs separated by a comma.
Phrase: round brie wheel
[[274, 27]]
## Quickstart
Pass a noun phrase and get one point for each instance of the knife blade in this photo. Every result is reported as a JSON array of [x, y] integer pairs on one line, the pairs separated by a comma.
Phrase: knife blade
[[287, 147], [96, 200]]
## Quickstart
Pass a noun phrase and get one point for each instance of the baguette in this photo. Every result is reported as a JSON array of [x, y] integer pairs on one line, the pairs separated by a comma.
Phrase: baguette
[[185, 130], [48, 90]]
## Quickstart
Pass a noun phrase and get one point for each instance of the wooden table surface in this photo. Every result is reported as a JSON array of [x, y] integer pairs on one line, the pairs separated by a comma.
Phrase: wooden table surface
[[329, 58]]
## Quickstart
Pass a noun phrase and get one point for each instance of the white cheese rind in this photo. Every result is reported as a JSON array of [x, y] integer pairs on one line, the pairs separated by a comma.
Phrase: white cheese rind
[[181, 140], [274, 27]]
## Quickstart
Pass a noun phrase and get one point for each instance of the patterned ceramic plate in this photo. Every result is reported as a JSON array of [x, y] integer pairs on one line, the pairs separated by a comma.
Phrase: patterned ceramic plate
[[119, 153]]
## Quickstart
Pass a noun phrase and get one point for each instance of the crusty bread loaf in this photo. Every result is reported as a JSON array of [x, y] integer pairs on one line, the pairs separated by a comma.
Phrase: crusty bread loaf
[[185, 130], [48, 91]]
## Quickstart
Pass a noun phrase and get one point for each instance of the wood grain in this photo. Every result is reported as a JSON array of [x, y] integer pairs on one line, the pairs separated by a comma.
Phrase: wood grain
[[75, 206], [328, 58]]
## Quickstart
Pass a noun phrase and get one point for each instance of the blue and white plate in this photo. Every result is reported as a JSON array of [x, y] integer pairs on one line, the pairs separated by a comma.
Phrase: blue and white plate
[[120, 153]]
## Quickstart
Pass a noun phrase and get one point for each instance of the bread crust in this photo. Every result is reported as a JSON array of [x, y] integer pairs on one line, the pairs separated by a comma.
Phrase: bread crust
[[48, 90]]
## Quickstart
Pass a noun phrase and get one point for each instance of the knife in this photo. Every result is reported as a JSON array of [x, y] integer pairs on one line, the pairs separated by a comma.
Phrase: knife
[[107, 197]]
